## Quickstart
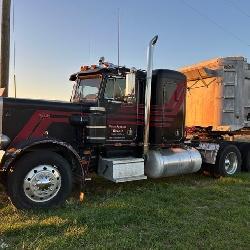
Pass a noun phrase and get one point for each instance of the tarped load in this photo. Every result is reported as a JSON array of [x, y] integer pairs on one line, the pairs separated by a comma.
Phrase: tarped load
[[218, 94]]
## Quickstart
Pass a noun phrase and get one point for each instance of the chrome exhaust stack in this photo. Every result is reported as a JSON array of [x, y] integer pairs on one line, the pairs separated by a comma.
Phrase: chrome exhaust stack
[[148, 92]]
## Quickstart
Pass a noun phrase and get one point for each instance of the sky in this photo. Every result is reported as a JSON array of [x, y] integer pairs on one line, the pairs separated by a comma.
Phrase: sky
[[54, 38]]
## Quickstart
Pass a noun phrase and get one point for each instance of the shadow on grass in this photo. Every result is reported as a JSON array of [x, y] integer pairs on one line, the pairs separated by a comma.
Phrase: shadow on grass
[[100, 189], [99, 185]]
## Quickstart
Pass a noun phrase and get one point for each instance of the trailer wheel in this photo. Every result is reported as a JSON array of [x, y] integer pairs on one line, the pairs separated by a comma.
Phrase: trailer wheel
[[228, 161], [40, 179]]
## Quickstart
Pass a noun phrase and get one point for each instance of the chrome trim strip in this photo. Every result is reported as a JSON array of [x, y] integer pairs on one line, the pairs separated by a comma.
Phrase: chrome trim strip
[[97, 109], [96, 126], [96, 138]]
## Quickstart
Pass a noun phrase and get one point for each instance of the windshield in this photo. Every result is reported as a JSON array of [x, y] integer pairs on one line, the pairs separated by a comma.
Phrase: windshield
[[86, 89]]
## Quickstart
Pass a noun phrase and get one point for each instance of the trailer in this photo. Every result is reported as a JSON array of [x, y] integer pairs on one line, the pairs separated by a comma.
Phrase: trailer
[[218, 112]]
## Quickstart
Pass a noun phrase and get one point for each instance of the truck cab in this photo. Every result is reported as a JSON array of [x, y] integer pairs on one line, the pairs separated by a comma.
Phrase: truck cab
[[121, 93], [115, 92]]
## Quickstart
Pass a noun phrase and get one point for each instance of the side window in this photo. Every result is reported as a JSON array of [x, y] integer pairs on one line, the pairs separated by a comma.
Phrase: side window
[[109, 91], [120, 89], [115, 89]]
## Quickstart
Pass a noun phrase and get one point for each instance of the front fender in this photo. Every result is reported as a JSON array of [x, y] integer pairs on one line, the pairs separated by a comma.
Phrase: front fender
[[12, 154]]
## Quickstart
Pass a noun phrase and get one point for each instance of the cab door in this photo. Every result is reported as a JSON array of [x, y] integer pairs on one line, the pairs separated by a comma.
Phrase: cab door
[[121, 108]]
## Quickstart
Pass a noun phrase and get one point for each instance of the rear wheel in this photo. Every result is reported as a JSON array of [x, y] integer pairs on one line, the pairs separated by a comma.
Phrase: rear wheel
[[228, 161], [40, 179]]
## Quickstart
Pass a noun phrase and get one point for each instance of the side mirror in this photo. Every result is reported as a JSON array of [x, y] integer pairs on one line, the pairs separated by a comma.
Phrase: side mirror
[[130, 87]]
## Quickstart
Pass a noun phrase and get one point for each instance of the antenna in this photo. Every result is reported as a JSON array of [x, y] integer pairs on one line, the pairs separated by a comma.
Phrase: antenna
[[89, 51], [118, 39]]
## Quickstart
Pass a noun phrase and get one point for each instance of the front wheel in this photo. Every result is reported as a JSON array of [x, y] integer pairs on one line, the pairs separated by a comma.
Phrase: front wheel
[[39, 179], [228, 161]]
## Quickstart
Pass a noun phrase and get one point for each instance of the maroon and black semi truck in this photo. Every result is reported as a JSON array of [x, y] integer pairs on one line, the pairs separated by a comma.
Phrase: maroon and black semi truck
[[121, 123]]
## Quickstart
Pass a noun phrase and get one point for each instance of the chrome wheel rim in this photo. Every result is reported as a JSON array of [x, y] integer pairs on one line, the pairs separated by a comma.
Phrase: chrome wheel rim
[[42, 183], [231, 163]]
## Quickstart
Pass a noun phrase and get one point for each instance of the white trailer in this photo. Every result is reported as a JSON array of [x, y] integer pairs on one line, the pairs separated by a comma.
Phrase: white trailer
[[218, 112]]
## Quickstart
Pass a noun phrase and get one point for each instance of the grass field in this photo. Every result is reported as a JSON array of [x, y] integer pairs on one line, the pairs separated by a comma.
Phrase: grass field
[[187, 212]]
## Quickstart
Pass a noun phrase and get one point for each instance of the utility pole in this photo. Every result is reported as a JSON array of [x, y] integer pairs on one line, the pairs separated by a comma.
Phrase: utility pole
[[5, 6]]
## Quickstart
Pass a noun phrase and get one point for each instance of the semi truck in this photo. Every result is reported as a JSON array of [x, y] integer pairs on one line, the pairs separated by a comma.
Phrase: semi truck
[[218, 112], [122, 124], [111, 127]]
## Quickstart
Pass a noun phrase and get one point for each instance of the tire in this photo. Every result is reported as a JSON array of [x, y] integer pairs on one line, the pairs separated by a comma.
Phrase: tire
[[228, 161], [40, 179]]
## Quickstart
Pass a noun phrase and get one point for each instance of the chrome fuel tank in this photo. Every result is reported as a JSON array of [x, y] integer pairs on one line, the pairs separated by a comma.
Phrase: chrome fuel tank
[[172, 161]]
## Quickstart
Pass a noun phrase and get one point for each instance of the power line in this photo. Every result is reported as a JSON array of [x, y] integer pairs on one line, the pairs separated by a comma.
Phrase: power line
[[238, 8], [215, 23]]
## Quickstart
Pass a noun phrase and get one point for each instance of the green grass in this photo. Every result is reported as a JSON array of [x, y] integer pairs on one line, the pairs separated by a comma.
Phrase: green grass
[[186, 212]]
